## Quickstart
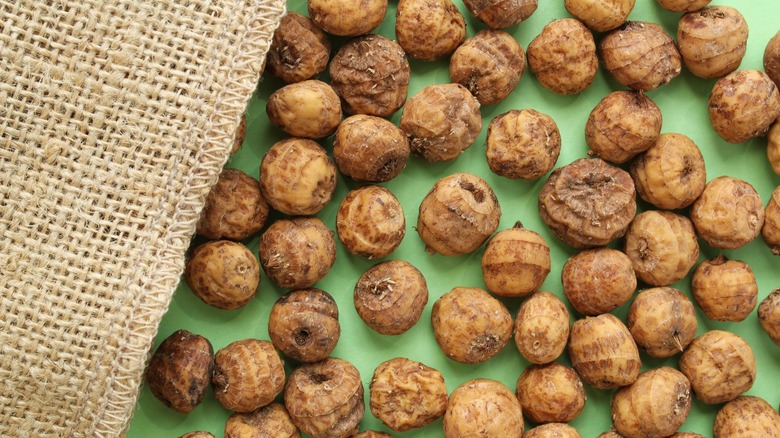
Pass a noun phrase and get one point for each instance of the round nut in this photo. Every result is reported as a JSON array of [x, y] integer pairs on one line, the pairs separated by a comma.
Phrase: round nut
[[222, 273], [563, 56], [605, 270], [516, 262], [248, 375], [370, 222], [725, 290], [712, 40], [743, 105], [551, 393], [370, 148], [235, 208], [746, 416], [309, 109], [269, 421], [600, 15], [522, 144], [299, 50], [429, 29], [500, 14], [347, 17], [483, 407], [304, 324], [662, 321], [728, 214]]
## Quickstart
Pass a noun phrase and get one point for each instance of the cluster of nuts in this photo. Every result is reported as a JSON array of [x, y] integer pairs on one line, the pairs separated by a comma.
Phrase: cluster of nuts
[[591, 205]]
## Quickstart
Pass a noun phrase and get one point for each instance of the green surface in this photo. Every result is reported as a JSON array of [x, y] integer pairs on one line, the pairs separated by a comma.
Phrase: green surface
[[684, 108]]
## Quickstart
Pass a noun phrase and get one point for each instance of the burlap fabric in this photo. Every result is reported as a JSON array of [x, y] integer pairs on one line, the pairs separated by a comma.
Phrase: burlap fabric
[[116, 117]]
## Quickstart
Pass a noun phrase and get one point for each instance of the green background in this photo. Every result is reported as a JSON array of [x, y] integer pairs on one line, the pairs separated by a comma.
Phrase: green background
[[683, 103]]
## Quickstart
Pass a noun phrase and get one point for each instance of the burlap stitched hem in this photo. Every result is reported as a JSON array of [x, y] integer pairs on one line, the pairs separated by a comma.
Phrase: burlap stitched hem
[[116, 116]]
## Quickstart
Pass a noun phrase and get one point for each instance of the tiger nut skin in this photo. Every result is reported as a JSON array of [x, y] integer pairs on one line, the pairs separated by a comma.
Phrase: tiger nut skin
[[441, 121], [728, 214], [769, 315], [483, 407], [600, 15], [743, 105], [770, 232], [516, 262], [640, 55], [429, 29], [606, 270], [550, 393], [542, 328], [725, 289], [222, 273], [347, 17], [588, 202], [370, 148], [746, 416], [712, 41], [371, 75], [299, 49], [235, 208], [563, 56], [325, 398], [248, 375], [489, 64], [406, 394], [391, 296], [662, 321], [370, 222], [500, 14], [309, 109], [304, 324], [522, 144], [179, 371], [269, 421]]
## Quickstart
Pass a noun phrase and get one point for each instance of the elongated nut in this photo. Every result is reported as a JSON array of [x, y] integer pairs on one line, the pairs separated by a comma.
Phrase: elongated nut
[[720, 365], [603, 352], [542, 328], [248, 375], [516, 262], [771, 229]]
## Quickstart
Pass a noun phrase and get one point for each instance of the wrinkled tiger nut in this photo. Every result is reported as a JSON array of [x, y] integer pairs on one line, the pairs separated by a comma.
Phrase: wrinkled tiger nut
[[588, 203], [671, 174], [773, 147], [522, 144], [746, 416], [470, 325], [603, 352], [370, 222], [441, 121], [500, 14], [458, 215], [683, 5], [662, 246], [489, 64], [552, 430], [662, 321], [248, 375], [325, 398], [483, 407], [372, 434], [391, 296], [299, 49], [304, 324], [598, 280], [728, 214], [516, 262], [296, 253], [563, 56], [235, 208], [222, 273], [309, 109], [772, 59], [656, 404], [406, 394], [347, 17], [640, 55], [297, 177], [429, 29], [370, 148], [600, 15], [269, 421], [551, 393], [623, 124], [720, 365], [712, 41], [769, 315], [179, 371], [541, 328], [743, 105], [371, 75], [725, 290]]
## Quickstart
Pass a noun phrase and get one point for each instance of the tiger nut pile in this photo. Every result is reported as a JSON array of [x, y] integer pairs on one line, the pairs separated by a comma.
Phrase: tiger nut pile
[[482, 218]]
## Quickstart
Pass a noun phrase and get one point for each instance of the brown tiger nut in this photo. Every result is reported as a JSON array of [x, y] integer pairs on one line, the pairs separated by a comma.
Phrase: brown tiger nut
[[623, 124], [239, 136], [299, 50], [598, 280], [640, 55], [725, 290], [248, 375], [551, 393], [489, 64], [179, 372], [662, 321], [483, 407], [588, 203], [269, 421], [391, 296], [746, 416], [683, 5], [370, 148], [304, 324], [771, 229], [500, 14], [516, 262], [728, 214], [407, 395], [769, 315], [600, 15], [371, 74], [773, 147], [429, 29], [772, 59], [743, 105], [712, 41], [198, 434], [458, 215], [296, 253], [542, 328], [235, 208], [522, 144], [441, 121], [552, 430], [370, 222], [325, 398], [222, 273], [470, 325], [563, 56]]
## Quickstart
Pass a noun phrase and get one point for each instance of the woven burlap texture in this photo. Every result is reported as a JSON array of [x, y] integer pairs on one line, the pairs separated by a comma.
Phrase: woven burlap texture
[[116, 117]]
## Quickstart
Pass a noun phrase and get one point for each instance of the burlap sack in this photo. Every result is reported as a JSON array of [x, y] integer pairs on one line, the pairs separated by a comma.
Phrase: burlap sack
[[116, 117]]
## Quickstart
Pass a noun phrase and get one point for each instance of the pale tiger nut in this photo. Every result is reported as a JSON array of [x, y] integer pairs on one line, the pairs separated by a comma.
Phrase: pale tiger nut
[[522, 144], [683, 5], [743, 105], [370, 222], [309, 109], [662, 321], [600, 15], [563, 56], [725, 290], [516, 262], [550, 393], [222, 273], [347, 17], [483, 407], [728, 214], [429, 29], [712, 41], [542, 328]]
